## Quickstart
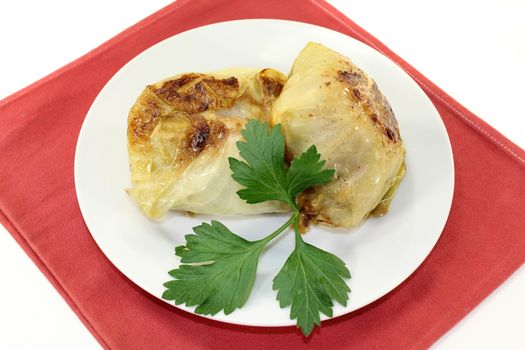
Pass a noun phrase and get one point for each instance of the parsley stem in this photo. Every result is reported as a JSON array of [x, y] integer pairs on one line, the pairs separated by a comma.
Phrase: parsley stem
[[298, 238], [279, 230]]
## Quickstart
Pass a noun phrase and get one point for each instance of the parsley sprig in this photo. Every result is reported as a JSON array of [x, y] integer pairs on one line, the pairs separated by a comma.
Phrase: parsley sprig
[[219, 267]]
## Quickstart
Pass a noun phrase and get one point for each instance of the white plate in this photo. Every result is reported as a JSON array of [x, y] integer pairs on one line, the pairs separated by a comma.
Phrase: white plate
[[380, 254]]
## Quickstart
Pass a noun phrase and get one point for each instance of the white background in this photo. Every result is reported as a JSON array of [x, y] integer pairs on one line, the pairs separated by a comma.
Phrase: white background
[[474, 50]]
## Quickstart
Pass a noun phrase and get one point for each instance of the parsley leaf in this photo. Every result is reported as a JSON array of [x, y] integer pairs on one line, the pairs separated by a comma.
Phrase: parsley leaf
[[263, 174], [224, 278], [307, 171], [223, 284], [308, 281]]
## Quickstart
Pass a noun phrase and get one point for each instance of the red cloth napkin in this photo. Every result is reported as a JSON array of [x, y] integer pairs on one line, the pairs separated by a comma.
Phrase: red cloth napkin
[[482, 244]]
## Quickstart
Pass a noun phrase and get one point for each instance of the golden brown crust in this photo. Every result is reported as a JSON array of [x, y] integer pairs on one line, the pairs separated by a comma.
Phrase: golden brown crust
[[309, 211], [144, 116], [194, 93], [203, 134], [271, 83], [173, 121], [227, 88], [170, 88], [190, 93], [372, 101], [142, 126]]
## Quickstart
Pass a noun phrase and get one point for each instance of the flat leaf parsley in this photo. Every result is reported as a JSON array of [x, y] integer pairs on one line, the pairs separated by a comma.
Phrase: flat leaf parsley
[[219, 267]]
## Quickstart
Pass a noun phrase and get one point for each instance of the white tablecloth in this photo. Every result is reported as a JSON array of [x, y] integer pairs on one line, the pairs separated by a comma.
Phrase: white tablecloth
[[474, 50]]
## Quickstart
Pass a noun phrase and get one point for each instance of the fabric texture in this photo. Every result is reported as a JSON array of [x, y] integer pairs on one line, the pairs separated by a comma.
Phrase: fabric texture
[[482, 244]]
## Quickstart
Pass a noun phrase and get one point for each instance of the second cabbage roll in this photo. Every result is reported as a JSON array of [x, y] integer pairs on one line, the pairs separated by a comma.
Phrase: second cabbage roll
[[328, 101]]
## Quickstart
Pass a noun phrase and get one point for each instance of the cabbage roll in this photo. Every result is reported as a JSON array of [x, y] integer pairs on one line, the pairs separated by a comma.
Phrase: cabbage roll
[[328, 101], [181, 132]]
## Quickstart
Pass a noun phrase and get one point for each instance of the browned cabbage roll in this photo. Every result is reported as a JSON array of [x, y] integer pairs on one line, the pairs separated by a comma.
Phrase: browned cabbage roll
[[330, 102], [181, 132]]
